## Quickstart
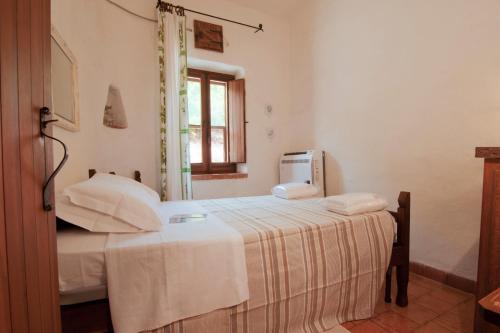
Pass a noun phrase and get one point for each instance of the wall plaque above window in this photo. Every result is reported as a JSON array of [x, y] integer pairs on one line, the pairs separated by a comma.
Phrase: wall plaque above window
[[208, 36]]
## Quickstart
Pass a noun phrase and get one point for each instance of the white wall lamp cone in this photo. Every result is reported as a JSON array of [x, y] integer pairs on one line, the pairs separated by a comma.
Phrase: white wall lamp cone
[[114, 111]]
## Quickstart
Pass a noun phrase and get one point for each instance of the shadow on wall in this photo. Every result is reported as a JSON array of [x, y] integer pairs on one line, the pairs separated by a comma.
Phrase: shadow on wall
[[464, 264], [333, 174]]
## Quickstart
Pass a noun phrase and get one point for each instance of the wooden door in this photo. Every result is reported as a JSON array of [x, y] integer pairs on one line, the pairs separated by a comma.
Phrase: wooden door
[[28, 261]]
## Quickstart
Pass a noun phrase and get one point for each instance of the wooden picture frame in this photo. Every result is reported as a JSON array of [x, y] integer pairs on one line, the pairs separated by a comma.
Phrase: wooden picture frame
[[65, 96], [208, 36]]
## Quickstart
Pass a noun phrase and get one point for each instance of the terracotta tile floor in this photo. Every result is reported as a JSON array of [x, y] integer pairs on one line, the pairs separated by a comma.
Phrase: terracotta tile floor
[[433, 308]]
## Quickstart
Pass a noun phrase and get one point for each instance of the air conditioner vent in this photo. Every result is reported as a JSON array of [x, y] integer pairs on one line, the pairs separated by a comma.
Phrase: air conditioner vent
[[295, 161]]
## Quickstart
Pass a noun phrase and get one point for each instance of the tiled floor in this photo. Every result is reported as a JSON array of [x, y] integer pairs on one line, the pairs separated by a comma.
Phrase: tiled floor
[[432, 308]]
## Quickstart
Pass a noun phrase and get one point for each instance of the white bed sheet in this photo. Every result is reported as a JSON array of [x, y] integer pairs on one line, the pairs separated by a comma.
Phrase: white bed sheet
[[95, 265], [82, 266], [183, 270]]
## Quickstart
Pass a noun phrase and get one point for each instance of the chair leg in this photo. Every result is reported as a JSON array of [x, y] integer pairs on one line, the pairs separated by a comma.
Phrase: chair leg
[[388, 285], [403, 275]]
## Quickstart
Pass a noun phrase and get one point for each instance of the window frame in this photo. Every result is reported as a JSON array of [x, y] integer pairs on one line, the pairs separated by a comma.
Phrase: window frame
[[207, 166]]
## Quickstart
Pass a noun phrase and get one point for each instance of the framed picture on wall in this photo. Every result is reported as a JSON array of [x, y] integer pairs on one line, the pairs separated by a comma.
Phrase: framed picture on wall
[[208, 36], [64, 74]]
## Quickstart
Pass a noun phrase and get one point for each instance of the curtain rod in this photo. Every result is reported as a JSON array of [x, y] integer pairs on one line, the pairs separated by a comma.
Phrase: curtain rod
[[165, 6]]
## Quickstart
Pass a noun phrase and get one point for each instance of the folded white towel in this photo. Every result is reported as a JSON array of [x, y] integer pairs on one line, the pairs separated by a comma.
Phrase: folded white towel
[[294, 190], [355, 203]]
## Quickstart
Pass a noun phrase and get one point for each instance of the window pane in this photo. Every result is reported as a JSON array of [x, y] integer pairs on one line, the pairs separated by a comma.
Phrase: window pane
[[218, 145], [218, 109], [194, 101], [218, 103], [194, 112], [195, 145]]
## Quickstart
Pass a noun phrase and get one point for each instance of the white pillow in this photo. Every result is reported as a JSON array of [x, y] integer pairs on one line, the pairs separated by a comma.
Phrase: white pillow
[[355, 203], [90, 219], [119, 197], [294, 190]]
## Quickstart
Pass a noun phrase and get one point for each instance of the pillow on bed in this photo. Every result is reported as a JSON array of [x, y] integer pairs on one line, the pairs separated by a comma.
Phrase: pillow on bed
[[294, 190], [89, 219], [355, 203], [119, 197]]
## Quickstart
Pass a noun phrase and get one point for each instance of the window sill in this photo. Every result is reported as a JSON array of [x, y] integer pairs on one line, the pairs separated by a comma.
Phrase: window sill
[[215, 176]]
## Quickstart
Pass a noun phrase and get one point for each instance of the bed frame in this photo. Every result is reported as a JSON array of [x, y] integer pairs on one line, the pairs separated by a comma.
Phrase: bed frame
[[95, 316], [400, 252], [137, 174]]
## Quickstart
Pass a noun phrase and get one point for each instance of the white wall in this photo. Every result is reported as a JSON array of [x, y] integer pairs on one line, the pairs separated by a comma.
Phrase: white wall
[[399, 94], [114, 47]]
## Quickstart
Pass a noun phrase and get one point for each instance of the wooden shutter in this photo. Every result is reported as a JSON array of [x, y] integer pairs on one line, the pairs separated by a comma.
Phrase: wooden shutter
[[237, 144]]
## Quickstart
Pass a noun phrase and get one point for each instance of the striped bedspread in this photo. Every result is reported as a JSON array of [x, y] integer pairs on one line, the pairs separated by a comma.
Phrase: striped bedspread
[[308, 269]]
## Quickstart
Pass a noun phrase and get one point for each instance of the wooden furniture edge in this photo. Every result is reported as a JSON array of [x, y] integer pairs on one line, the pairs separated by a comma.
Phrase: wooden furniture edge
[[488, 152], [441, 276], [490, 301], [490, 305], [489, 257]]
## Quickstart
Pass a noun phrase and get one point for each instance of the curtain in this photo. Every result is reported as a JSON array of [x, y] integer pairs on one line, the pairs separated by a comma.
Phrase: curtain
[[175, 167]]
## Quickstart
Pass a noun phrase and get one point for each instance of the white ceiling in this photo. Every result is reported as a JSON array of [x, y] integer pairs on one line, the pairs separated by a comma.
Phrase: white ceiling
[[273, 7]]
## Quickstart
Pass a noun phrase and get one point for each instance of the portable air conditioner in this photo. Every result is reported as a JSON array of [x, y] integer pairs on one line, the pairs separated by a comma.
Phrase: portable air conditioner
[[304, 167]]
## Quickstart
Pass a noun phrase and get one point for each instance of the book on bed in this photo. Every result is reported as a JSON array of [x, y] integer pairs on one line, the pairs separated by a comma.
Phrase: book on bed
[[188, 218]]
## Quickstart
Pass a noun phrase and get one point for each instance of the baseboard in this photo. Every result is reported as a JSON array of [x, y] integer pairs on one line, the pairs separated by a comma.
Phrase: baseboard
[[449, 279]]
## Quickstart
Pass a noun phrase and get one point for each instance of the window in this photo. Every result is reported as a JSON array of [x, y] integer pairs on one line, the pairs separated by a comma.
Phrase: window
[[216, 106]]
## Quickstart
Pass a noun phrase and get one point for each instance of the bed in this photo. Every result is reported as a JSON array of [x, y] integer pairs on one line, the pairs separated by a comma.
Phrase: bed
[[308, 269]]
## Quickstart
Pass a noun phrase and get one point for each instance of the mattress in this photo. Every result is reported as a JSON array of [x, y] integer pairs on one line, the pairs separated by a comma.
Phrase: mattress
[[307, 267], [82, 271]]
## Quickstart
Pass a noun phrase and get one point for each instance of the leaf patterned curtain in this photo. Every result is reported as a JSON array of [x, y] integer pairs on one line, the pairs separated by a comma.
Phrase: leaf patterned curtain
[[175, 166]]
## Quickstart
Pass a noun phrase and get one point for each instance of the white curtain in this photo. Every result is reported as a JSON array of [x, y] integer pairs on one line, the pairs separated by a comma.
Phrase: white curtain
[[175, 173]]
